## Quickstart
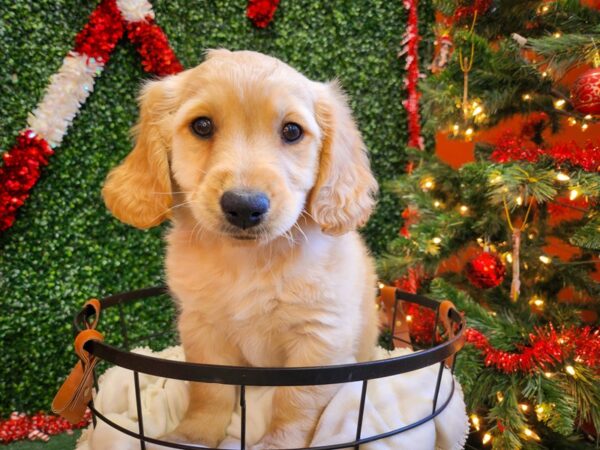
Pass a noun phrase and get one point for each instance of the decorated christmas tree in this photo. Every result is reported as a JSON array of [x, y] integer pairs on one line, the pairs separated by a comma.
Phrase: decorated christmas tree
[[531, 368]]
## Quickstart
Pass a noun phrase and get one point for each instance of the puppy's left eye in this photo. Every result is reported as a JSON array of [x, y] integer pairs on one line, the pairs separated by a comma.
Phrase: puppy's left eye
[[291, 132]]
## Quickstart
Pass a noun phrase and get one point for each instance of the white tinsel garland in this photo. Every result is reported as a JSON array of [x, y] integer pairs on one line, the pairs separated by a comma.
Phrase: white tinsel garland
[[135, 10], [68, 90]]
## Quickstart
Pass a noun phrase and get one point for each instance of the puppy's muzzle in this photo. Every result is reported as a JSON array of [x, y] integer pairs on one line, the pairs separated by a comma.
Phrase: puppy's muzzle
[[244, 209]]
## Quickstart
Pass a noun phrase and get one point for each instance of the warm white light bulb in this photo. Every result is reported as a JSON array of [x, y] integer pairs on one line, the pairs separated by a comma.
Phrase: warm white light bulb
[[487, 437], [573, 194], [560, 176]]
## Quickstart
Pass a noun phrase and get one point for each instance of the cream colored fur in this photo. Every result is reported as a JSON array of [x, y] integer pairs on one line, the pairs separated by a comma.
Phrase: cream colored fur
[[297, 290]]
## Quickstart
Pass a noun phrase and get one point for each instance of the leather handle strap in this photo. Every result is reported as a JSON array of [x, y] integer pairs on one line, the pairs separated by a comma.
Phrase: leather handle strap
[[401, 329], [72, 398], [91, 308], [80, 340], [444, 315]]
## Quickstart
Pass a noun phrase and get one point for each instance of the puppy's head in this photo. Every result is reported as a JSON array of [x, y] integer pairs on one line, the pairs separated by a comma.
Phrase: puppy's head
[[251, 144]]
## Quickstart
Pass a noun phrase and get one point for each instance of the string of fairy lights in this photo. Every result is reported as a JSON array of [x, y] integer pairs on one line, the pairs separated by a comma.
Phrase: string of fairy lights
[[427, 183], [541, 411], [473, 110]]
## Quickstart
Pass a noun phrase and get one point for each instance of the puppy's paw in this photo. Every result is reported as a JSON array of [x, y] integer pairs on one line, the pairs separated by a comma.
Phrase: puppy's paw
[[196, 431]]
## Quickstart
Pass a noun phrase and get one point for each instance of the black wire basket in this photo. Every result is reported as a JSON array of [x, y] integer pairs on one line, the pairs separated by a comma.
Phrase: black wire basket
[[440, 353]]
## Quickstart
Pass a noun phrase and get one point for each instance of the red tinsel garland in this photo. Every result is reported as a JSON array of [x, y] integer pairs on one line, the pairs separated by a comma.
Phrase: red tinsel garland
[[466, 12], [546, 349], [511, 147], [411, 49], [101, 34], [21, 170], [37, 427], [261, 12], [586, 157], [153, 46]]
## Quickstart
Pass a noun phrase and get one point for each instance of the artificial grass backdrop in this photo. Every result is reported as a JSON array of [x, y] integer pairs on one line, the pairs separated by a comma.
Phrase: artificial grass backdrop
[[64, 246]]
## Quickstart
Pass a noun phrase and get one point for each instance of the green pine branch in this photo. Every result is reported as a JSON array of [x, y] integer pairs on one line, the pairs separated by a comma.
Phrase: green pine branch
[[568, 51], [588, 235]]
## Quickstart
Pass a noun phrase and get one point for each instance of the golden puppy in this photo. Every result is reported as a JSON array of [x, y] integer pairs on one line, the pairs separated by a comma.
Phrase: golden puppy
[[265, 177]]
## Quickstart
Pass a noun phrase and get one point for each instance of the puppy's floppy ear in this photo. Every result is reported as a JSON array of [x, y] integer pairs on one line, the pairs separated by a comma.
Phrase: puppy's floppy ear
[[138, 191], [343, 196]]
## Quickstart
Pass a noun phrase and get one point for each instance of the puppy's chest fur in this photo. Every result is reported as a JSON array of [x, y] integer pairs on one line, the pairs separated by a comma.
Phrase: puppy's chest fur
[[259, 301]]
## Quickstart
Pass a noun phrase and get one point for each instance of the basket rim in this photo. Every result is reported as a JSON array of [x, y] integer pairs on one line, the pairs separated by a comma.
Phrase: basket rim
[[273, 376]]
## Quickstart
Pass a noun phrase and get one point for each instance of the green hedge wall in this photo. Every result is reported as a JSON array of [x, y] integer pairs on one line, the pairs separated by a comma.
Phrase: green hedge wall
[[64, 246]]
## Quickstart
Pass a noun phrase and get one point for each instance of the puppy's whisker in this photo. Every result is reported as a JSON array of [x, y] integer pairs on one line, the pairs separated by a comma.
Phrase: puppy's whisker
[[171, 208], [172, 192], [290, 238], [197, 229], [301, 231], [307, 214], [179, 205]]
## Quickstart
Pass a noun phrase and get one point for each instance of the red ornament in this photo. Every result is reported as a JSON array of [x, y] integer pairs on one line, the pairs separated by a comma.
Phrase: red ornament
[[261, 12], [585, 94], [486, 270]]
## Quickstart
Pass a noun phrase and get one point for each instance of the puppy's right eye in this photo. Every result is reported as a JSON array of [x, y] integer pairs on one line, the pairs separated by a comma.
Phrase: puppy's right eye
[[291, 132], [202, 127]]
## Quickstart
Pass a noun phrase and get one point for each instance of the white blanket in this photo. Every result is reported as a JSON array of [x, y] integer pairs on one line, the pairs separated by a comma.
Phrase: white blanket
[[391, 403]]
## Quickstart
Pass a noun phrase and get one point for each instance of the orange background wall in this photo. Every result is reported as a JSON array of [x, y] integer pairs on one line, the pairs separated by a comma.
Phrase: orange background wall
[[457, 152]]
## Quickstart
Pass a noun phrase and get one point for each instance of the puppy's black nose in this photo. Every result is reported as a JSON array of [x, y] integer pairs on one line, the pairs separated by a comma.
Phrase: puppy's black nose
[[244, 209]]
